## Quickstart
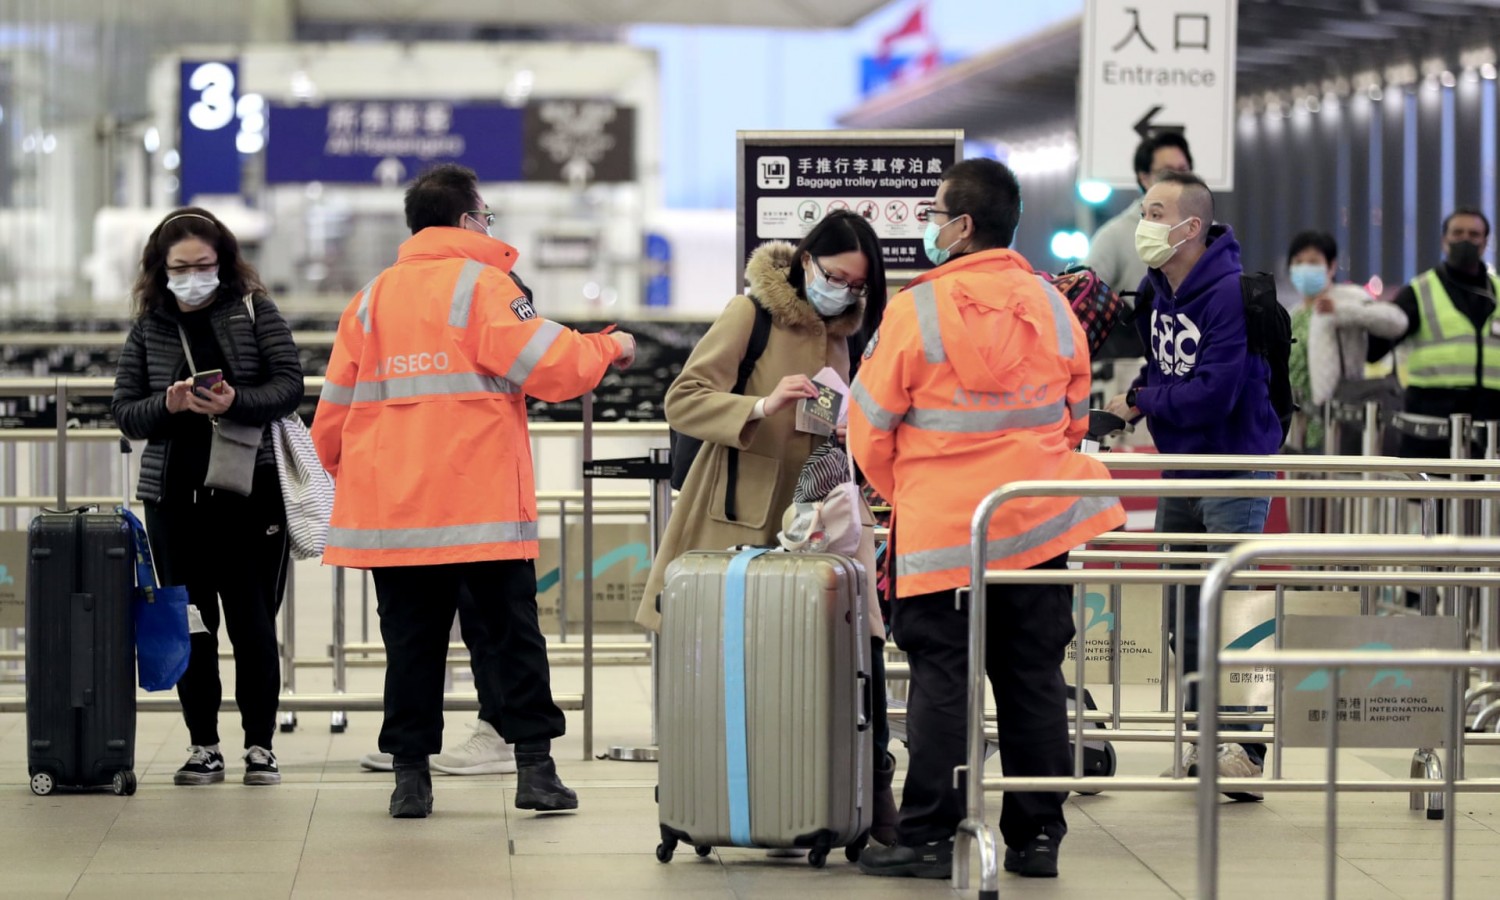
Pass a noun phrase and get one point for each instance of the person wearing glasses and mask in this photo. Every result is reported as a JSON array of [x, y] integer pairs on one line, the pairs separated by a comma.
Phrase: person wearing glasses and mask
[[422, 424], [824, 299], [209, 351]]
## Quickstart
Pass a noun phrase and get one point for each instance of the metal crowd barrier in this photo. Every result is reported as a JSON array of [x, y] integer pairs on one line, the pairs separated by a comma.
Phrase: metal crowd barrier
[[61, 388], [1211, 657], [974, 831]]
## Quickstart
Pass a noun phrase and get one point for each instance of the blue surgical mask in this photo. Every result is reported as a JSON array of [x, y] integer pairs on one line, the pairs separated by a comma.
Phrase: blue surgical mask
[[938, 255], [1310, 279], [828, 300]]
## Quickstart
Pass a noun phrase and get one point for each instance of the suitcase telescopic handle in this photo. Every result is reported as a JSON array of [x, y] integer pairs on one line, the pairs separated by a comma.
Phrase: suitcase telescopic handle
[[866, 702]]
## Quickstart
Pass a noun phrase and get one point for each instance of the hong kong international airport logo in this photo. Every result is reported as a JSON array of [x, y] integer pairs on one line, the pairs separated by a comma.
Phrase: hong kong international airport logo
[[1318, 681]]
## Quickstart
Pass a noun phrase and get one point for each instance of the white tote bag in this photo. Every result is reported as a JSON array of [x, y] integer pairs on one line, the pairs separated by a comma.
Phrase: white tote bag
[[306, 488]]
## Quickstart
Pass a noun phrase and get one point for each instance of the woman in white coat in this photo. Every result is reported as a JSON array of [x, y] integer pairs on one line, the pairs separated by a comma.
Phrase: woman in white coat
[[1331, 328]]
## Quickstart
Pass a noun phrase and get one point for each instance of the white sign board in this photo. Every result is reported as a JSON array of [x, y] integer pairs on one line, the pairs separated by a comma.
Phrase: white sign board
[[1151, 66]]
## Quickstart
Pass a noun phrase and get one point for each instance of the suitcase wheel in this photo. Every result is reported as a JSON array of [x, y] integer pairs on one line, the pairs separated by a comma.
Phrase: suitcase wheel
[[124, 783], [817, 857], [42, 783], [663, 853], [703, 850]]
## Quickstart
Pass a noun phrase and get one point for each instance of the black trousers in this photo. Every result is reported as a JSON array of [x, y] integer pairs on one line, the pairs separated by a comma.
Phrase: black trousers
[[1028, 628], [224, 547], [417, 605], [484, 660]]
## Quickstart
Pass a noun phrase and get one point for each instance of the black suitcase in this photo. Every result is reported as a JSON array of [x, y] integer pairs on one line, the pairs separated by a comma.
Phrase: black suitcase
[[80, 653]]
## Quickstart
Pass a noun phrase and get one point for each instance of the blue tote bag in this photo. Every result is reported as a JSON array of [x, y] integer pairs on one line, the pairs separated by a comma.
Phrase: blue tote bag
[[162, 642]]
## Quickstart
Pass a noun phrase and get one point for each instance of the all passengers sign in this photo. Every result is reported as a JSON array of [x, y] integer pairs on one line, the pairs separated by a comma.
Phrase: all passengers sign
[[1151, 66]]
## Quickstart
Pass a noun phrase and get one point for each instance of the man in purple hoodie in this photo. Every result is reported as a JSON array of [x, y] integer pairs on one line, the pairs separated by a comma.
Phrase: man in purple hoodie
[[1201, 390]]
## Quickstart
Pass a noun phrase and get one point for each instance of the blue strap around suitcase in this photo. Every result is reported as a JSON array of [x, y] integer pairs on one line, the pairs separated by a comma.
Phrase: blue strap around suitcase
[[736, 749]]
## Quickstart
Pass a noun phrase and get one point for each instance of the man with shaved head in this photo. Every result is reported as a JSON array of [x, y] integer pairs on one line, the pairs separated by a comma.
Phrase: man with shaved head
[[1201, 391]]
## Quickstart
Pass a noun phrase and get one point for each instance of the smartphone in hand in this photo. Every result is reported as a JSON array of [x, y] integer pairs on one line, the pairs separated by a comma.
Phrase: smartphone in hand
[[208, 382]]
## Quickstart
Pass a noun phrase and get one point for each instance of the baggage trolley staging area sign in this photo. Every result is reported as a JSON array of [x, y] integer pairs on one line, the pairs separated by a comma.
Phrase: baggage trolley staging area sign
[[790, 180], [1375, 707], [1153, 67]]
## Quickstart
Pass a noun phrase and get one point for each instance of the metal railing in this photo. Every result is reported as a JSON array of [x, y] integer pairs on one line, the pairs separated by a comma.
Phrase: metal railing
[[973, 831]]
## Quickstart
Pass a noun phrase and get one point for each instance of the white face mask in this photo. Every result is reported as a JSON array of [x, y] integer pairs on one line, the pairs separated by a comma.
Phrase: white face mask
[[1153, 241], [193, 288]]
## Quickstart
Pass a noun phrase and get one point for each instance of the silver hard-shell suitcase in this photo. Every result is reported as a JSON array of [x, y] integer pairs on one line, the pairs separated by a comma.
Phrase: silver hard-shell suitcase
[[765, 733]]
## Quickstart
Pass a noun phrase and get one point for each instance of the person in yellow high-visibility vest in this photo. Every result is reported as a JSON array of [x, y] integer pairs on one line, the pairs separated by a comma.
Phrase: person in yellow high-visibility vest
[[1454, 334]]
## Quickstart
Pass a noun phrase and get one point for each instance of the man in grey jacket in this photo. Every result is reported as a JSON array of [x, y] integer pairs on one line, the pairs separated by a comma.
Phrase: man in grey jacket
[[1112, 253]]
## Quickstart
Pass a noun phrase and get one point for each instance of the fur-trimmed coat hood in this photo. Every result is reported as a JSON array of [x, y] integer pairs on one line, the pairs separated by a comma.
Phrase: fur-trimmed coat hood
[[766, 274]]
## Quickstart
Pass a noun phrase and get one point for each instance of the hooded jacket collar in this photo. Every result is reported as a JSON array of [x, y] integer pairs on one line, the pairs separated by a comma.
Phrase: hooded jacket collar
[[766, 273], [457, 243], [990, 328], [1220, 261]]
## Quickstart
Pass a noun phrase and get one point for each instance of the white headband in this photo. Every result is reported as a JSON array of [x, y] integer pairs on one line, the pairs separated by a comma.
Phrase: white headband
[[189, 216]]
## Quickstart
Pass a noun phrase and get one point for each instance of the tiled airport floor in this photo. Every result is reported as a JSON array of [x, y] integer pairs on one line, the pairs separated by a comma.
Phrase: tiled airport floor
[[325, 833]]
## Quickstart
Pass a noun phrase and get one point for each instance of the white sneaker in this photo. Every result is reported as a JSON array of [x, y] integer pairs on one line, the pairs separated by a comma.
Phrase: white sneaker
[[1189, 761], [484, 753], [1234, 762], [378, 762]]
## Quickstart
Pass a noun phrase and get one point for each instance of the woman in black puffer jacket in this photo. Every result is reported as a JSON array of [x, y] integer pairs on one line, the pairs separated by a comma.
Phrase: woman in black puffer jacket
[[195, 289]]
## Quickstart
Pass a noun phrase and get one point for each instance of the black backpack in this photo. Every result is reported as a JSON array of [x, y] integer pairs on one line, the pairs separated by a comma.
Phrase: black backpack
[[1268, 330], [685, 448]]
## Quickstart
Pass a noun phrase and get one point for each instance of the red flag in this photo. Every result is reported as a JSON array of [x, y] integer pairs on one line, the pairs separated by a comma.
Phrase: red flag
[[915, 24]]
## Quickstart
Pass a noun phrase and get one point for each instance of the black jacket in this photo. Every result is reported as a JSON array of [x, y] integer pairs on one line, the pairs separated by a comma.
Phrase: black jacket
[[1472, 297], [262, 366]]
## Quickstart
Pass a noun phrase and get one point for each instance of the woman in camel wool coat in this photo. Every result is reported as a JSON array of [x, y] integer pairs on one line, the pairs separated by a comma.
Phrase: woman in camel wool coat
[[805, 289]]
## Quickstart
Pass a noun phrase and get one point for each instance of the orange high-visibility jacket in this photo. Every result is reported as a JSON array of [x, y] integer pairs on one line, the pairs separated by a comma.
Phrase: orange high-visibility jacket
[[422, 419], [978, 376]]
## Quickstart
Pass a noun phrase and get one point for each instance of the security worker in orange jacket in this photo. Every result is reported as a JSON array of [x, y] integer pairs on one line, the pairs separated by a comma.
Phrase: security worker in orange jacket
[[979, 375], [422, 423]]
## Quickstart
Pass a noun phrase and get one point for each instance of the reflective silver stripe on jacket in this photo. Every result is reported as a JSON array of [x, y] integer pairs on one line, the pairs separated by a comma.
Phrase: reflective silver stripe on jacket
[[463, 293], [880, 417], [1428, 304], [406, 387], [1461, 371], [1080, 410], [431, 538], [925, 299], [1062, 318], [924, 562], [541, 341], [363, 312], [972, 421], [336, 394]]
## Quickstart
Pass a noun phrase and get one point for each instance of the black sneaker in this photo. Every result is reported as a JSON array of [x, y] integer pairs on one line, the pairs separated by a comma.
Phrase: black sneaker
[[1037, 859], [926, 861], [260, 767], [205, 765]]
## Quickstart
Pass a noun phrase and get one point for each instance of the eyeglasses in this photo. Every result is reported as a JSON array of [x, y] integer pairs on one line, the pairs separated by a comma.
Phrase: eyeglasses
[[856, 290], [483, 215], [925, 215], [193, 268]]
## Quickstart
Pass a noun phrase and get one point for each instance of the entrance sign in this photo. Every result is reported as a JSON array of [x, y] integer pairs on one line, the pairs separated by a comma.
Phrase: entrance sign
[[1376, 707], [1152, 66], [790, 180]]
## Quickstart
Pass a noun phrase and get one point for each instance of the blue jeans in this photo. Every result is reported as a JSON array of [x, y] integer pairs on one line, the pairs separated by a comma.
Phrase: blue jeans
[[1211, 515]]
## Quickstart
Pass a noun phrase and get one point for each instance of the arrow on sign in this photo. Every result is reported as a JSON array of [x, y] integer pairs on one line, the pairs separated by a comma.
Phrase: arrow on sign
[[1145, 128], [390, 171]]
